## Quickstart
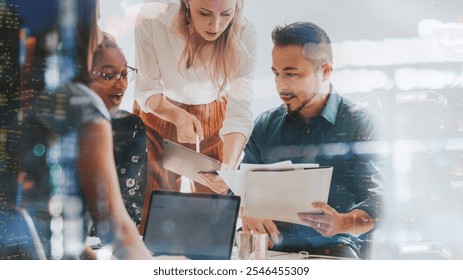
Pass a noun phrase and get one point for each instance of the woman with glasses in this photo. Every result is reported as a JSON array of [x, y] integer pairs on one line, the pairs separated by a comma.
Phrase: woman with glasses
[[109, 79], [195, 79]]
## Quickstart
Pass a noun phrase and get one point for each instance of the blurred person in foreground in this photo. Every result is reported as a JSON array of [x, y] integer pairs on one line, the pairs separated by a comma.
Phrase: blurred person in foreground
[[67, 161]]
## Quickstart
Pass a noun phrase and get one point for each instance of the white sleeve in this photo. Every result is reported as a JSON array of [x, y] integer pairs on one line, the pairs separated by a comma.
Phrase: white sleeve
[[239, 115], [148, 79]]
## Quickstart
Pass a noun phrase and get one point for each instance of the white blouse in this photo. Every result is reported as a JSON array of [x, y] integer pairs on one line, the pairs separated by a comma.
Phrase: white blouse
[[157, 53]]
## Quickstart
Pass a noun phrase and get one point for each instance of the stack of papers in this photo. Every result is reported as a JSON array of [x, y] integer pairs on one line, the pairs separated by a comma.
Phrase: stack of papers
[[281, 190]]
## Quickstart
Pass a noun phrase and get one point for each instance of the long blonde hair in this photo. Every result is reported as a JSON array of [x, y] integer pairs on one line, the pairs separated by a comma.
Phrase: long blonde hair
[[221, 58]]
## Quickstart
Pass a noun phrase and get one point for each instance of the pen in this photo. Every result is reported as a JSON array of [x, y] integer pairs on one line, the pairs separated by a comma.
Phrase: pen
[[197, 143]]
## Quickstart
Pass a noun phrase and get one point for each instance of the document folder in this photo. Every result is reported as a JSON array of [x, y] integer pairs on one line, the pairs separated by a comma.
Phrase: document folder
[[281, 194]]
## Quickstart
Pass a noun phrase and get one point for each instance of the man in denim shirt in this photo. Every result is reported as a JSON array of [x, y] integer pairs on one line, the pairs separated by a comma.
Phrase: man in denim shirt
[[317, 125]]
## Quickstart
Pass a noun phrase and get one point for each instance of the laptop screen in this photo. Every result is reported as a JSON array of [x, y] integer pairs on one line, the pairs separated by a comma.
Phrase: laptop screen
[[197, 226]]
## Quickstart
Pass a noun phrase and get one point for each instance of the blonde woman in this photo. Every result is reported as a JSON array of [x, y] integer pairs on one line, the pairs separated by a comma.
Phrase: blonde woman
[[195, 64]]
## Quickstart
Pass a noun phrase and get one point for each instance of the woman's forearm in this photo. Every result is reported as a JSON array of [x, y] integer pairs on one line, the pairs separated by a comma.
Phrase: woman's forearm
[[233, 145], [158, 105]]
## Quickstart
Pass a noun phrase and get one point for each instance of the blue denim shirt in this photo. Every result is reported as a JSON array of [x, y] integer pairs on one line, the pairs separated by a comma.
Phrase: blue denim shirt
[[334, 138]]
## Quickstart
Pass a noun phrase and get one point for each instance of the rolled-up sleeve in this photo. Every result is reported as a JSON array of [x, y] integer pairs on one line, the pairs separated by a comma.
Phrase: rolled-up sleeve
[[239, 115], [368, 168], [148, 79]]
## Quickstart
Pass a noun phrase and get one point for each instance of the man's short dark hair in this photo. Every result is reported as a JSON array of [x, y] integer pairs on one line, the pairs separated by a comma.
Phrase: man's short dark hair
[[314, 40]]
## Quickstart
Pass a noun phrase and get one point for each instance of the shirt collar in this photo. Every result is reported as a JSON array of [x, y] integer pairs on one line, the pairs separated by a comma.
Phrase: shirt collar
[[331, 110]]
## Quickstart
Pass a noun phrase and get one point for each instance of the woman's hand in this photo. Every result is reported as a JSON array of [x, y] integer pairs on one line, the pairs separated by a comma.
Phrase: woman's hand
[[214, 182], [188, 126]]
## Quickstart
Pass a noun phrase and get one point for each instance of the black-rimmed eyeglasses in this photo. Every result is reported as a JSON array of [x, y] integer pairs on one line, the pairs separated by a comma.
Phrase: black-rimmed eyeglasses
[[114, 77]]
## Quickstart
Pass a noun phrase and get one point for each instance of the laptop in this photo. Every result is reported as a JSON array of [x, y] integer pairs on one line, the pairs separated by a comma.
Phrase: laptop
[[186, 162], [197, 226]]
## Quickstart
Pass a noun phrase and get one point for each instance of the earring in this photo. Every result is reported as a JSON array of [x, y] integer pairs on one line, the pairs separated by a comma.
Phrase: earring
[[187, 16]]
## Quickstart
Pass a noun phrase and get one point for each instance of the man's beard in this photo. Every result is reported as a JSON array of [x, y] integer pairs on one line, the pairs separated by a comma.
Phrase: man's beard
[[304, 103], [300, 107], [295, 112]]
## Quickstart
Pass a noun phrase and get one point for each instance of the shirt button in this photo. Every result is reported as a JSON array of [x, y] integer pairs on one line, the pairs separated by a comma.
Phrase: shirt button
[[307, 131]]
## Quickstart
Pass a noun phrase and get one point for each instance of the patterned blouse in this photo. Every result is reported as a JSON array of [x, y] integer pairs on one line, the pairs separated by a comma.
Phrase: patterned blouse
[[130, 156]]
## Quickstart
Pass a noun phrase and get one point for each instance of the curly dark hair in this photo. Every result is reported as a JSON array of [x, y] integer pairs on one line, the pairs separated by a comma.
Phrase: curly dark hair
[[109, 41]]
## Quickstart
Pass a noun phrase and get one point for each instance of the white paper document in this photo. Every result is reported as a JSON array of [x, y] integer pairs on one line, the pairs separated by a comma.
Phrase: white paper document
[[281, 190], [280, 195], [236, 179]]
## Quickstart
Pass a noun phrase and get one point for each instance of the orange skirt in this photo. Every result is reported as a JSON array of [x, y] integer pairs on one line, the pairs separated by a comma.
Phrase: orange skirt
[[211, 117]]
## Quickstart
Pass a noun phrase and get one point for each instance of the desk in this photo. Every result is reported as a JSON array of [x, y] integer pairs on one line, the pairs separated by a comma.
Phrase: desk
[[276, 255], [95, 243], [273, 255]]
